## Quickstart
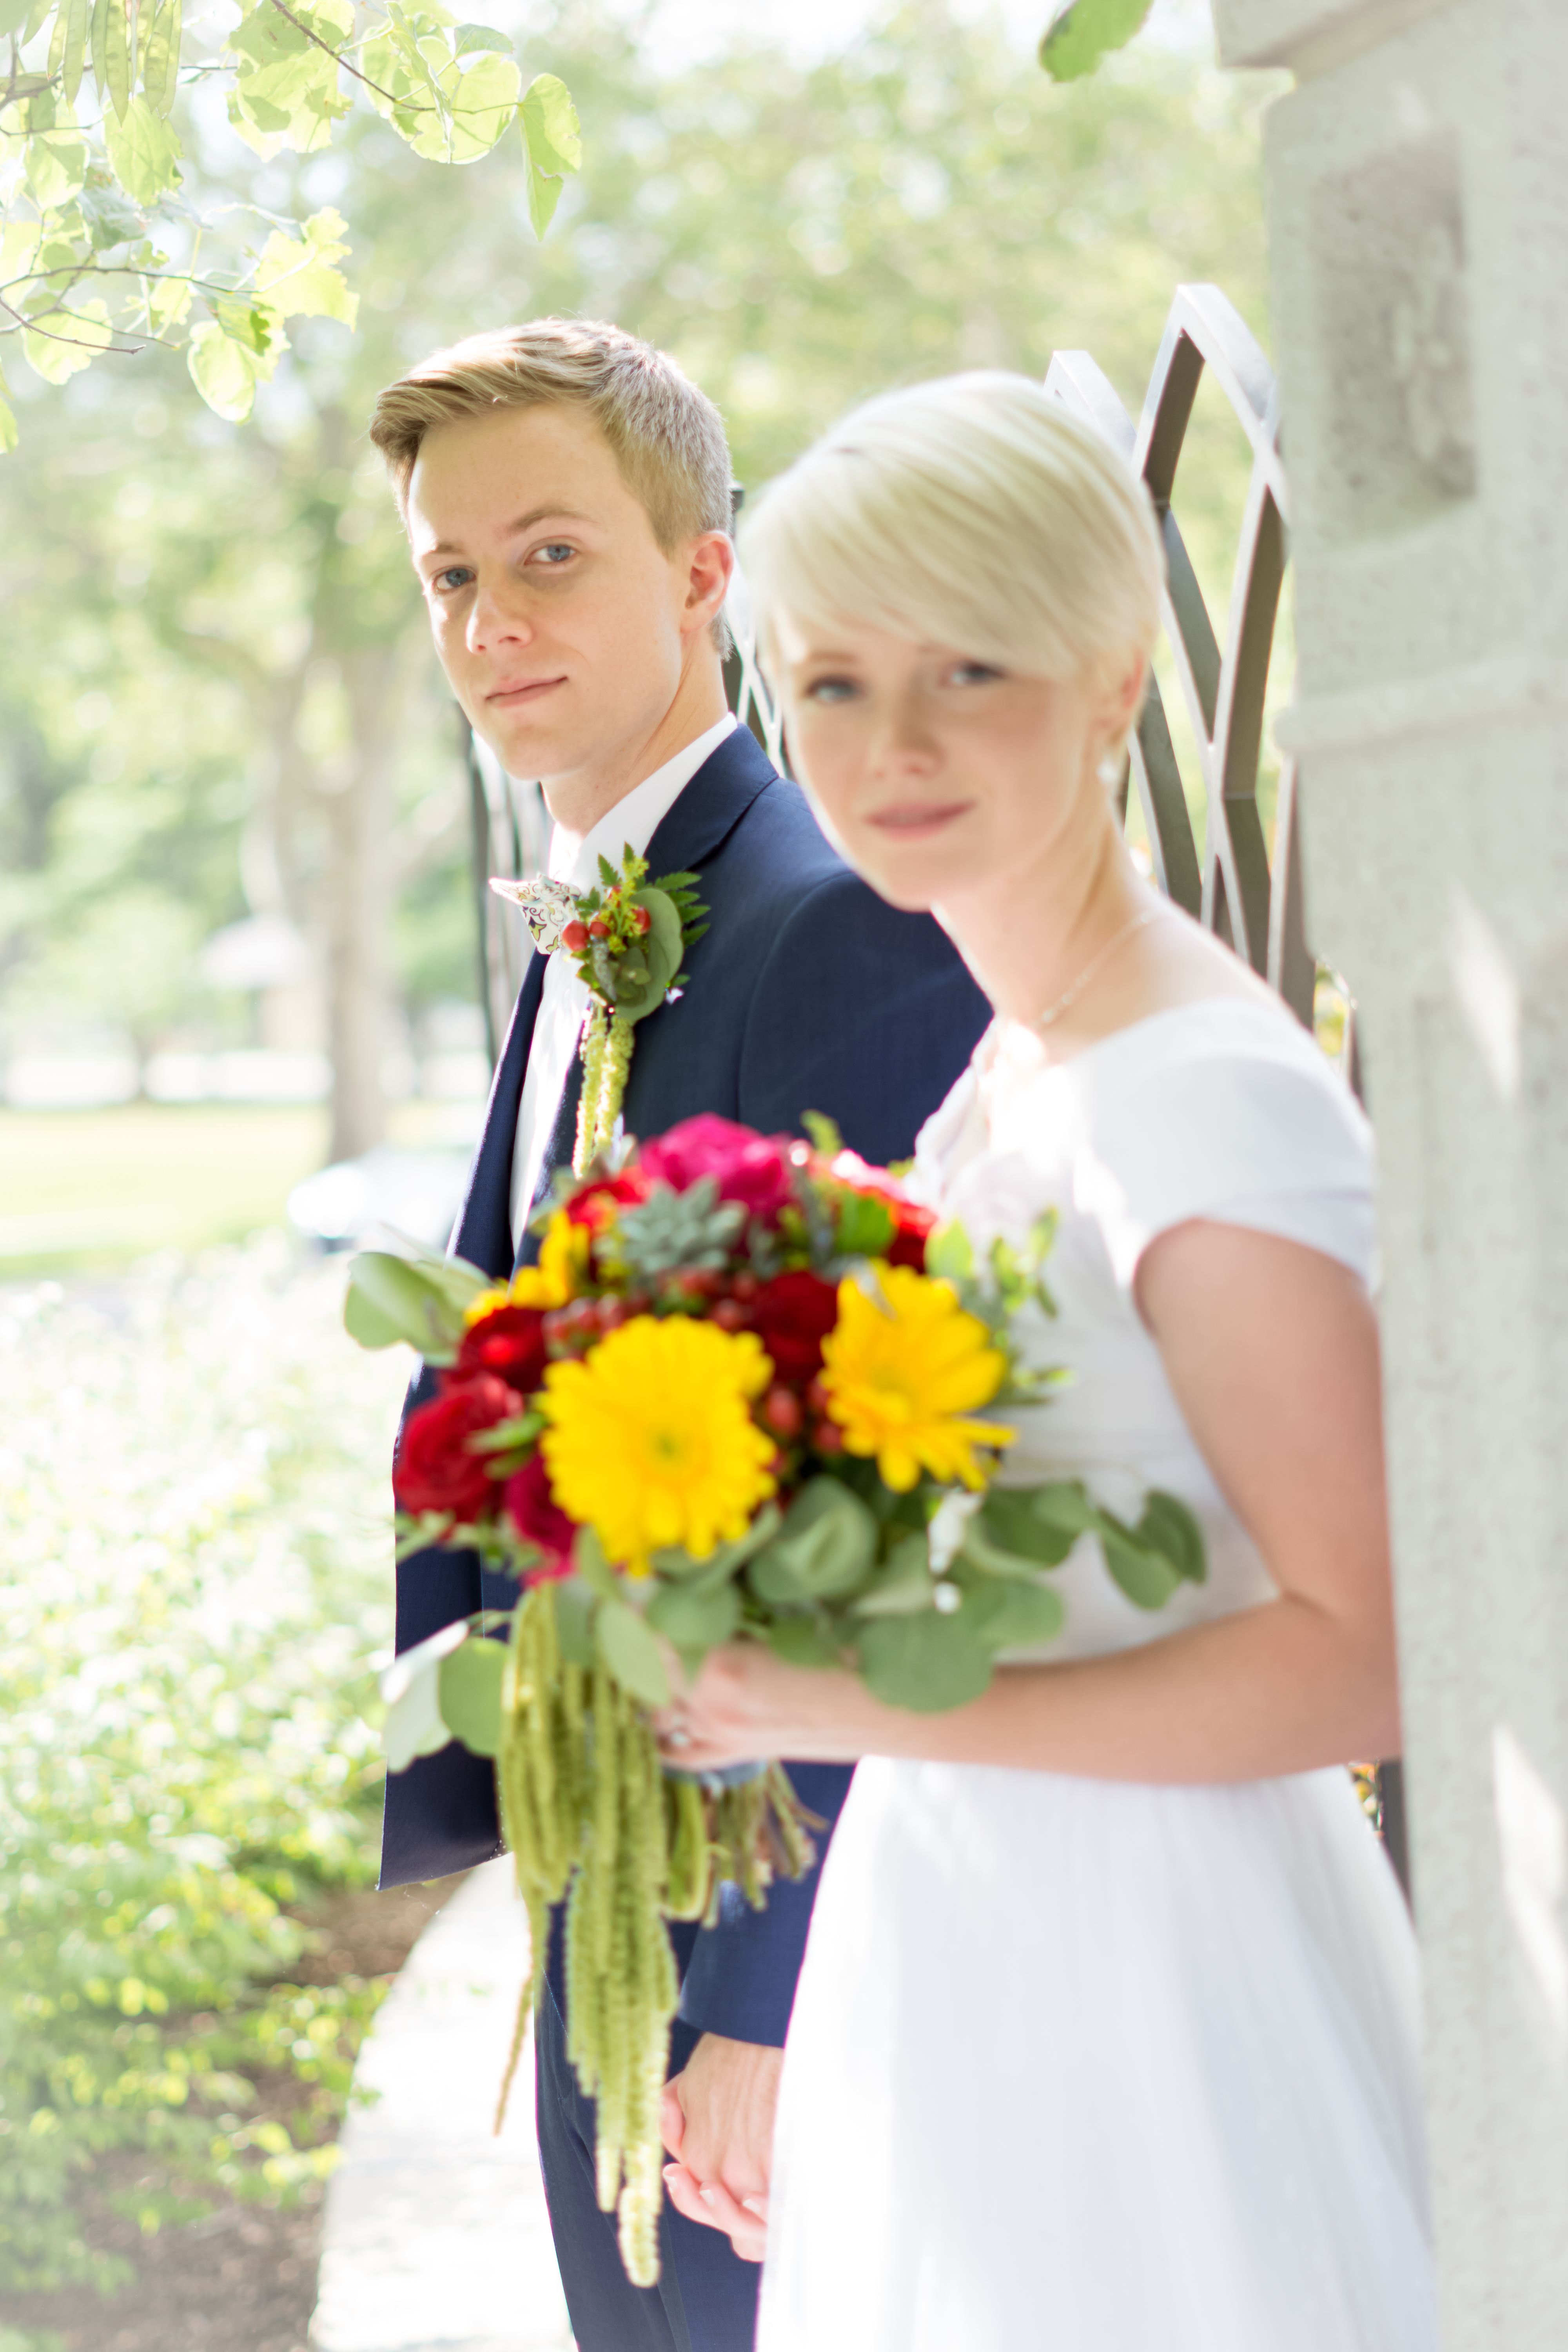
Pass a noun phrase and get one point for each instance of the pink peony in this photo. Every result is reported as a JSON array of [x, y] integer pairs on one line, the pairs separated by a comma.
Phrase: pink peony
[[752, 1169]]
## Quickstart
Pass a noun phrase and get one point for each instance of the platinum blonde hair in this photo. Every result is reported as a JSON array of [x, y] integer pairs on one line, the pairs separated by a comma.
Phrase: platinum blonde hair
[[974, 512]]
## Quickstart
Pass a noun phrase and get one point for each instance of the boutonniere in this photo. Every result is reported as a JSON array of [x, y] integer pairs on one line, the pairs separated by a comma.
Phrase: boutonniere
[[628, 939]]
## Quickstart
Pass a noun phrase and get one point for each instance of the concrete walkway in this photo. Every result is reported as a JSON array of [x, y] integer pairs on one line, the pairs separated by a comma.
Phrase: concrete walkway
[[436, 2236]]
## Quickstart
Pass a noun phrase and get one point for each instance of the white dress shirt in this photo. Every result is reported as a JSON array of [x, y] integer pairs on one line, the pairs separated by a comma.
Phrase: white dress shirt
[[564, 1003]]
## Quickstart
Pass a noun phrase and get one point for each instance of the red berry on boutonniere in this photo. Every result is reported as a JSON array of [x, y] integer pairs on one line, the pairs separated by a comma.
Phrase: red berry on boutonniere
[[575, 937], [598, 928], [642, 918]]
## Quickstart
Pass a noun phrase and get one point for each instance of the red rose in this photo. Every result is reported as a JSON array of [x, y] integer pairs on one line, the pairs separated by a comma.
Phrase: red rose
[[511, 1344], [589, 1206], [752, 1169], [574, 936], [792, 1315], [539, 1518], [435, 1471], [911, 1227]]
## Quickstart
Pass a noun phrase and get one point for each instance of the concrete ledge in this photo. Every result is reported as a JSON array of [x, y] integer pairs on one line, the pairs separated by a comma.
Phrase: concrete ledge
[[436, 2236]]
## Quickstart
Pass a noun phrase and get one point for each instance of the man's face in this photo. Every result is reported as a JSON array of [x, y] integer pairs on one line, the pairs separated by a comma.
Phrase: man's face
[[565, 629]]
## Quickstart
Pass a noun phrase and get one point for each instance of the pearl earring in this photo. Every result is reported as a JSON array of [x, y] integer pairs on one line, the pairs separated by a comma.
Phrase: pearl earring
[[1108, 768]]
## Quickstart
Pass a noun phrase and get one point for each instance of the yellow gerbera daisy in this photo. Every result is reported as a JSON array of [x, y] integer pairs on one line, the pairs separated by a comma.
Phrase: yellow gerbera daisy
[[563, 1263], [485, 1302], [651, 1440], [901, 1367]]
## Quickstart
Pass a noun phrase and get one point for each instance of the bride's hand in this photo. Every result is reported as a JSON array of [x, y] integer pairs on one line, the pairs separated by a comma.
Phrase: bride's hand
[[744, 1704]]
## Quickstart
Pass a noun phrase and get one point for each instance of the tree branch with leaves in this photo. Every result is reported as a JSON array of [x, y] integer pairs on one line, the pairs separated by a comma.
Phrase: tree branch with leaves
[[105, 247]]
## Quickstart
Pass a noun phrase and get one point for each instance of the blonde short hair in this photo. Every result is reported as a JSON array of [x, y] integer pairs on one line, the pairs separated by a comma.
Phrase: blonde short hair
[[972, 512], [666, 435]]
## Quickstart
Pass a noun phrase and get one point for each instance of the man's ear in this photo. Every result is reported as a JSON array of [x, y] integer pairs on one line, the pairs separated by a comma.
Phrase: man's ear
[[711, 561]]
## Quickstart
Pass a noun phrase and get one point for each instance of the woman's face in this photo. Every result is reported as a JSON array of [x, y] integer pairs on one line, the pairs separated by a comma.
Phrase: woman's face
[[934, 773]]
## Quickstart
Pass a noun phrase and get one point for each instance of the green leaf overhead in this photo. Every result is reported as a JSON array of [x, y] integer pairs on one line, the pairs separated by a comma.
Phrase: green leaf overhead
[[145, 151], [112, 60], [299, 277], [161, 58], [553, 142], [224, 372], [1087, 30]]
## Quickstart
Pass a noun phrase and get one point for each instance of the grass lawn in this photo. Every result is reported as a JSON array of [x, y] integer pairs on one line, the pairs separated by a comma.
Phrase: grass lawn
[[88, 1190]]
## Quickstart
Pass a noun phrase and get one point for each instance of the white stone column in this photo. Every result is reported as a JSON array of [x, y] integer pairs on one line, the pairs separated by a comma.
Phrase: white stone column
[[1417, 184]]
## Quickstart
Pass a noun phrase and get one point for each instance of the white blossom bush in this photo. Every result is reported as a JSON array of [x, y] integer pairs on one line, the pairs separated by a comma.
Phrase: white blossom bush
[[195, 1531]]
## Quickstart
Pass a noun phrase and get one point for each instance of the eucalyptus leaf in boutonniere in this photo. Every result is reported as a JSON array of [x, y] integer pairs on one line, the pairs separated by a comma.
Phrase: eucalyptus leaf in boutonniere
[[628, 938]]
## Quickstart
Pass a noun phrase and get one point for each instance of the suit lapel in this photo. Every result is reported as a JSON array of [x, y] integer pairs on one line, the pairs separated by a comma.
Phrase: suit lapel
[[711, 806]]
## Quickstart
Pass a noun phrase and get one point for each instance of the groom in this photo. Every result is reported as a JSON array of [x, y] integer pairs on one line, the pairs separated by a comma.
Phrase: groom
[[566, 493]]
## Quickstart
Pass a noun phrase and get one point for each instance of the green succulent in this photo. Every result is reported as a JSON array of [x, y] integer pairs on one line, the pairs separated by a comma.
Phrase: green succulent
[[676, 1233]]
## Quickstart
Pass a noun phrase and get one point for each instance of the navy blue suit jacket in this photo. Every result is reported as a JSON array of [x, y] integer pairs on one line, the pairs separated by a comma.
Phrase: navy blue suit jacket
[[807, 993]]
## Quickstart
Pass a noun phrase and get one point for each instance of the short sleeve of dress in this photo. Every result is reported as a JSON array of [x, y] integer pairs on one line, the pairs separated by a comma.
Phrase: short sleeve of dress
[[1276, 1144]]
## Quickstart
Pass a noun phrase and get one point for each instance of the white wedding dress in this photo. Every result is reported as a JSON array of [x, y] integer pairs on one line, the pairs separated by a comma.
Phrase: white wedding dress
[[1090, 2066]]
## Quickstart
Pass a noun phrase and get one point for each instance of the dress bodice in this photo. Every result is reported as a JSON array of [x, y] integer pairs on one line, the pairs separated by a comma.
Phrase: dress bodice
[[1222, 1111]]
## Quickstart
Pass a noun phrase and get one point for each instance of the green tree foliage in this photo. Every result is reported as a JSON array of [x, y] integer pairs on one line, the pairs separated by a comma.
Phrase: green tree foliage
[[214, 680], [109, 243]]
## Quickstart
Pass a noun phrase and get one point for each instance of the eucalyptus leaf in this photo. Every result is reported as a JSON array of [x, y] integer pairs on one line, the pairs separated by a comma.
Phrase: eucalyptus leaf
[[411, 1687], [574, 1608], [800, 1642], [589, 1559], [1039, 1523], [902, 1584], [405, 1297], [927, 1662], [469, 1691], [414, 1727], [695, 1619], [1168, 1526], [1146, 1577], [632, 1654], [825, 1549], [673, 1565], [1006, 1616]]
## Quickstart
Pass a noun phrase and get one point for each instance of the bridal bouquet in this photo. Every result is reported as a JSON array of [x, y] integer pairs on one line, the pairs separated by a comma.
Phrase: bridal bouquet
[[746, 1392]]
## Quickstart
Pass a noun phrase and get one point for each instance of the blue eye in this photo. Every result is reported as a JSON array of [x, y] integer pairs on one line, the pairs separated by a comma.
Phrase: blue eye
[[457, 571], [555, 552], [975, 674], [831, 690]]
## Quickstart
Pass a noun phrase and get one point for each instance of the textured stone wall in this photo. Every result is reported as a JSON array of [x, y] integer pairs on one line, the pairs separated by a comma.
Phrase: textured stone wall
[[1418, 184]]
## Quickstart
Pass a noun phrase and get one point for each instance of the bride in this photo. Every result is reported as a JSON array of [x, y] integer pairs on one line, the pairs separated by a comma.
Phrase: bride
[[1106, 2040]]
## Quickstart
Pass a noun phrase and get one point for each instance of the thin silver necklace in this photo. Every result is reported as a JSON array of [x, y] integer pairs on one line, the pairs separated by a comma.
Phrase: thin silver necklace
[[1069, 996]]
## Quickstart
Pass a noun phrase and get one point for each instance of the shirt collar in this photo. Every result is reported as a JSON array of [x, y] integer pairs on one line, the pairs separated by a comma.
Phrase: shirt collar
[[637, 817]]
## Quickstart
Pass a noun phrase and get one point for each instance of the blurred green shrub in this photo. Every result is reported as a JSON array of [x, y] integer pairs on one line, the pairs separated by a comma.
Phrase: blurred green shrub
[[194, 1523]]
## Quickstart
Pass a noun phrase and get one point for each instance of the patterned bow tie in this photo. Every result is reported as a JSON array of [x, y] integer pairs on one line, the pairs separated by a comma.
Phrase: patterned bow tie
[[546, 907]]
